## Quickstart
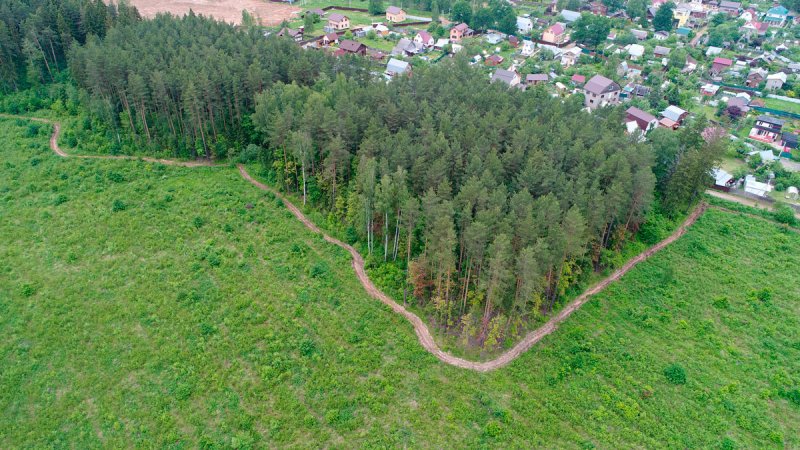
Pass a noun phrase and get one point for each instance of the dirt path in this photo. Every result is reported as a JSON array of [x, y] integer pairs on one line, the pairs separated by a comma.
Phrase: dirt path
[[424, 335], [58, 151], [744, 201], [422, 331]]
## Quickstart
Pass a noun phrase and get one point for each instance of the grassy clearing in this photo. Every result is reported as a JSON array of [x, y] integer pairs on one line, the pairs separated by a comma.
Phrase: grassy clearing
[[782, 105], [147, 306]]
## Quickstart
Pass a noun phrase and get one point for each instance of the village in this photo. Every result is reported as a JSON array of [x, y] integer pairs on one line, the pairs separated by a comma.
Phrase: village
[[664, 62]]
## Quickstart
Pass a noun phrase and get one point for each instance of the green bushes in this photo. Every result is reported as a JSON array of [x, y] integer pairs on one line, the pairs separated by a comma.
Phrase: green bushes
[[118, 205], [675, 374]]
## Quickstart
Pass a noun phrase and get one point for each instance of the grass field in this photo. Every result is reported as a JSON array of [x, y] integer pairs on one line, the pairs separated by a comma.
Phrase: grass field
[[782, 105], [148, 306]]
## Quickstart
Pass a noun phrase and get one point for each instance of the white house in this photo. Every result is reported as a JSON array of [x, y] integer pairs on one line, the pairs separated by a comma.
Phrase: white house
[[635, 51], [528, 48], [524, 24], [753, 186], [776, 81]]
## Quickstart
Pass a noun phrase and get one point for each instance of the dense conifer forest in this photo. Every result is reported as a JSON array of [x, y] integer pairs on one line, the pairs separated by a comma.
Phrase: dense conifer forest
[[482, 205]]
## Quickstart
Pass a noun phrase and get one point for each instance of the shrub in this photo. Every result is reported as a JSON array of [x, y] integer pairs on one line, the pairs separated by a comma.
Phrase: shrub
[[249, 154], [319, 270], [27, 290], [198, 222], [784, 214], [60, 200], [115, 177], [721, 302], [118, 205], [675, 374], [32, 130]]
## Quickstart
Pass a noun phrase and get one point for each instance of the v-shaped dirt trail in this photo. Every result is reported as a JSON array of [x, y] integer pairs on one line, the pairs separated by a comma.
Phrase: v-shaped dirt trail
[[423, 333]]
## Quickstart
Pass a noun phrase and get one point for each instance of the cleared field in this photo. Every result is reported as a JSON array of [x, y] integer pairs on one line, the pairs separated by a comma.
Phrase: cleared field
[[152, 306], [268, 13]]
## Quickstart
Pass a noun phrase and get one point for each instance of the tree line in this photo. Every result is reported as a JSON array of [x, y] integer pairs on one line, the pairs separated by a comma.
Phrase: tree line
[[480, 204]]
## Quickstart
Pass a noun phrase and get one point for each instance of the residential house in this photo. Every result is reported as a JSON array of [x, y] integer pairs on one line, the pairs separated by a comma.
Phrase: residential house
[[635, 52], [570, 56], [424, 39], [629, 70], [395, 14], [767, 129], [683, 32], [775, 81], [737, 107], [524, 24], [709, 89], [295, 35], [723, 181], [441, 43], [513, 41], [681, 15], [570, 16], [755, 187], [730, 8], [599, 91], [754, 28], [691, 65], [494, 38], [459, 32], [353, 47], [598, 8], [644, 120], [407, 47], [633, 90], [748, 15], [788, 143], [528, 48], [338, 21], [397, 67], [556, 34], [536, 78], [330, 39], [661, 52], [777, 16], [578, 80], [713, 51], [672, 117], [661, 35], [720, 65], [494, 60], [755, 77], [639, 34], [511, 78]]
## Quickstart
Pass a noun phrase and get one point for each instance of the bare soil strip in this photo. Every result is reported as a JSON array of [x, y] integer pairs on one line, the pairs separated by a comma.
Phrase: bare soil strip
[[422, 331]]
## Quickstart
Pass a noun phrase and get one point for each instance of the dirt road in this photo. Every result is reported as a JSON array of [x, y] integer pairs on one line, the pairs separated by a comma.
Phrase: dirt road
[[422, 331], [744, 201]]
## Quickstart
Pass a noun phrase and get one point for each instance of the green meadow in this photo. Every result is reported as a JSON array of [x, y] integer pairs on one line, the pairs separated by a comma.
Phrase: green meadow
[[145, 306]]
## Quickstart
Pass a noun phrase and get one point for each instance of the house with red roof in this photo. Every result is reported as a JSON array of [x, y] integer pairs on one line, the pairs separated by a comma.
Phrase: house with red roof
[[556, 34], [459, 32], [424, 39], [720, 65]]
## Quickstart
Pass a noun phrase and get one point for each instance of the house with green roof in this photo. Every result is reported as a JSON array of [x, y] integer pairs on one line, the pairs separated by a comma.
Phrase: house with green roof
[[777, 16]]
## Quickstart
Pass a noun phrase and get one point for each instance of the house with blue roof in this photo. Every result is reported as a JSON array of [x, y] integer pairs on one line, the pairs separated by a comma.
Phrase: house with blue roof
[[683, 31], [777, 16]]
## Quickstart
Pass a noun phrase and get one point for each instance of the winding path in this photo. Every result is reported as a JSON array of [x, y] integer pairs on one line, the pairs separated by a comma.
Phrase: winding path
[[422, 331]]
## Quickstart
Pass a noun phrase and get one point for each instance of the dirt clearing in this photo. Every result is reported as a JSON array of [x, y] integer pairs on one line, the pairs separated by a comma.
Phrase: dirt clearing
[[230, 11]]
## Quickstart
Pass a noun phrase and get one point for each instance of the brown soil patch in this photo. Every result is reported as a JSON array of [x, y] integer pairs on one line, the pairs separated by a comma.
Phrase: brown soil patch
[[268, 13]]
